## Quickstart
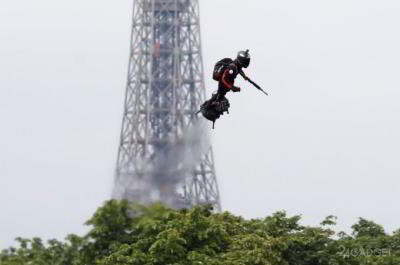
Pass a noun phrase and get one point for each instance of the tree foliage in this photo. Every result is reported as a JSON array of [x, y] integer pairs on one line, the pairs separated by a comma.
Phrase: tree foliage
[[125, 234]]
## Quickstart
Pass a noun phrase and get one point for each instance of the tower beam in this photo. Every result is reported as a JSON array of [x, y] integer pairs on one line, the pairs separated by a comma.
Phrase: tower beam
[[164, 152]]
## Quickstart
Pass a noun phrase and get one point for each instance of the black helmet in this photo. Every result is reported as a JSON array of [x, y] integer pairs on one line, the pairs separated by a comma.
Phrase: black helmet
[[243, 58]]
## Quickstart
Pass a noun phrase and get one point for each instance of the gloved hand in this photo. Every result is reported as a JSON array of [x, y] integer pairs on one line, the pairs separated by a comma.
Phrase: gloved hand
[[236, 89]]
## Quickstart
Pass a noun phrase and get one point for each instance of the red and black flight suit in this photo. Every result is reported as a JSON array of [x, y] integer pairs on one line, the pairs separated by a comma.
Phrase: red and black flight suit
[[228, 80]]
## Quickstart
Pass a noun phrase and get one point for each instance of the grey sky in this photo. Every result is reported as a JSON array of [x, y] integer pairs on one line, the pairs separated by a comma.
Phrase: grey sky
[[325, 141]]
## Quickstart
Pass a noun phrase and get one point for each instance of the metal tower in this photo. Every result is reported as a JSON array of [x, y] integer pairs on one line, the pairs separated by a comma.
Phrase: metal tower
[[164, 151]]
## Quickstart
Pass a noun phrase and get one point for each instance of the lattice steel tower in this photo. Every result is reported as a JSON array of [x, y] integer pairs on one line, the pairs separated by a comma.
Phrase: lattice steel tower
[[164, 153]]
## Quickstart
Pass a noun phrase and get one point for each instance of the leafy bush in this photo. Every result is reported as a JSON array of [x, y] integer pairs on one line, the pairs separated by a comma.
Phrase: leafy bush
[[126, 234]]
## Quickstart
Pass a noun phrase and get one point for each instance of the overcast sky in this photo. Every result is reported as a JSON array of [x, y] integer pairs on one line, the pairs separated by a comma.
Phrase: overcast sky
[[326, 140]]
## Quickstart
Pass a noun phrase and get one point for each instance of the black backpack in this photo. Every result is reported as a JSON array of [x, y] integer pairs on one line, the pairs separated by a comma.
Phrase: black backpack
[[220, 67]]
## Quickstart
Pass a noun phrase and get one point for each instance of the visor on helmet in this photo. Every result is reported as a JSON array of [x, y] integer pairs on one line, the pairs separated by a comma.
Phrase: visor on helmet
[[243, 58]]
